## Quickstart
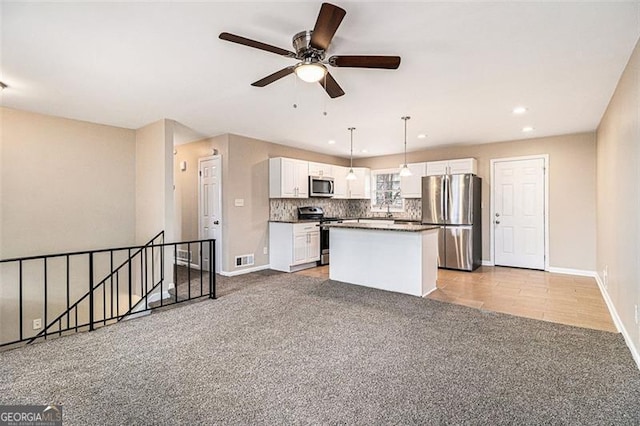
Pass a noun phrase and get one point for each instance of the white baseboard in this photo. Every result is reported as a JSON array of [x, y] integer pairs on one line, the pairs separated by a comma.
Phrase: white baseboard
[[191, 265], [487, 263], [244, 271], [616, 320], [569, 271]]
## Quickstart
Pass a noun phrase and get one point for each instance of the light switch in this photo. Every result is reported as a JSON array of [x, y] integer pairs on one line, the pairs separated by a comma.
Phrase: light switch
[[183, 165], [239, 202]]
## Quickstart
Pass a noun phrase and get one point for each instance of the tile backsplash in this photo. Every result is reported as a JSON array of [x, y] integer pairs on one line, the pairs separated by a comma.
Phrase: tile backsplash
[[285, 209]]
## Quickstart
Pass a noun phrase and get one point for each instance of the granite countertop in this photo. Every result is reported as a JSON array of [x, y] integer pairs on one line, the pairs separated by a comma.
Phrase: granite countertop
[[396, 219], [406, 227], [387, 219], [295, 221]]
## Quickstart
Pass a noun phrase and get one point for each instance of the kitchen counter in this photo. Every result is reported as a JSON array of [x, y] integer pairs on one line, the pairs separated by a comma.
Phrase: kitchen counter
[[385, 219], [295, 221], [395, 257], [404, 227]]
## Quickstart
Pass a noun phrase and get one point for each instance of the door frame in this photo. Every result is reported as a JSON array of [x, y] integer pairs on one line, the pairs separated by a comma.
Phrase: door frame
[[492, 162], [219, 253]]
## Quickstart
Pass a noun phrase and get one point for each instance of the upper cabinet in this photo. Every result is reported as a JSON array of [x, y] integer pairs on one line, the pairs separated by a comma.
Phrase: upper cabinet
[[360, 188], [340, 183], [288, 178], [452, 167], [411, 186], [321, 169]]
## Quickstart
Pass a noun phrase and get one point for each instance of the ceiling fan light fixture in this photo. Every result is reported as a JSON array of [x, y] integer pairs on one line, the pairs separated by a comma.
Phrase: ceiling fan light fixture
[[310, 72]]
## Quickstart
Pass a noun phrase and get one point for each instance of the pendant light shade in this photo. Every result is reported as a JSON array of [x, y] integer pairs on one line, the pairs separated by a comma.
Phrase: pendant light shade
[[404, 170], [351, 175]]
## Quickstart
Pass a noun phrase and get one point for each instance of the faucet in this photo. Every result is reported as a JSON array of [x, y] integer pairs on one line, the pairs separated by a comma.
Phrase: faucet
[[388, 201]]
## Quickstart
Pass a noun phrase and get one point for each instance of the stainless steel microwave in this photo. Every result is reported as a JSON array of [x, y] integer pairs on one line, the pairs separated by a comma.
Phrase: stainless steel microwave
[[320, 186]]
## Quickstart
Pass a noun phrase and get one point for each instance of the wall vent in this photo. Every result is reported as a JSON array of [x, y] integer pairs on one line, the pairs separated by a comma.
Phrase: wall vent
[[244, 260]]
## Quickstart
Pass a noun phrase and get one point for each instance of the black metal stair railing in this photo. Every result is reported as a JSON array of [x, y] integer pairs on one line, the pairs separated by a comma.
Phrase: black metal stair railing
[[45, 286]]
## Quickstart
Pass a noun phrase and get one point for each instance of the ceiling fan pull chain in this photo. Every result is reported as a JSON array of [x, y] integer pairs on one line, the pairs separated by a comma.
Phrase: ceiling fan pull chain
[[324, 98], [295, 93]]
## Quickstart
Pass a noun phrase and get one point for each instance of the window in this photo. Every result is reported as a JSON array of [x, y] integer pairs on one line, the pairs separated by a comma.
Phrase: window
[[386, 191]]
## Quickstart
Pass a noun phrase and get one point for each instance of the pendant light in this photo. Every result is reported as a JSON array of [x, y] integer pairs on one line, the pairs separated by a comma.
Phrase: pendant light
[[351, 175], [404, 171]]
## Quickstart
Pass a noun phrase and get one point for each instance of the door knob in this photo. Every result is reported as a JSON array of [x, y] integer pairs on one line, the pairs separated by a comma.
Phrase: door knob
[[216, 222], [497, 222], [497, 214]]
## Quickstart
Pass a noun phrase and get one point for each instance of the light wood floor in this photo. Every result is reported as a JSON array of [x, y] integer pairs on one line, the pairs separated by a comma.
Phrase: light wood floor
[[563, 299]]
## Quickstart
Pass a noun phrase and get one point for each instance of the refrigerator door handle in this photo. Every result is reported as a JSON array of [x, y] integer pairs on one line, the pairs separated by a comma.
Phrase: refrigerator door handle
[[445, 198]]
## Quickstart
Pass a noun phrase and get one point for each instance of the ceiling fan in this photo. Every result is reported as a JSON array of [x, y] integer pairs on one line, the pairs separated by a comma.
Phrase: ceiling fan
[[310, 49]]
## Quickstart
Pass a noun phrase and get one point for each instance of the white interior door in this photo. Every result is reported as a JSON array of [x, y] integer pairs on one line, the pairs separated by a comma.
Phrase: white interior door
[[518, 213], [209, 207]]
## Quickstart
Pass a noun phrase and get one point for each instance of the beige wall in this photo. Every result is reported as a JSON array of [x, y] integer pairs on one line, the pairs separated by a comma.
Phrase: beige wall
[[618, 203], [186, 193], [572, 192], [245, 174], [154, 181], [66, 185]]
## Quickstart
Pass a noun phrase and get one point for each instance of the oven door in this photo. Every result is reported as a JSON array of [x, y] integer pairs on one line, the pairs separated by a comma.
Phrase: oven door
[[324, 245]]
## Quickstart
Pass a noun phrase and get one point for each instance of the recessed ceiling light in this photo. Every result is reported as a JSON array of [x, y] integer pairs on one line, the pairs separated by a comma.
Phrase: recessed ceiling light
[[519, 110], [331, 142], [422, 136], [365, 151], [527, 129]]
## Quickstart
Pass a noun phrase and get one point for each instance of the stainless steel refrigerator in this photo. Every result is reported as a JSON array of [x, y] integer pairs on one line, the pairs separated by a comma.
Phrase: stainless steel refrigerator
[[454, 203]]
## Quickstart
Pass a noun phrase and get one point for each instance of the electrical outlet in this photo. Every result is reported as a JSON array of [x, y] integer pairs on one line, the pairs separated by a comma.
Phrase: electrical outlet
[[265, 250], [37, 323]]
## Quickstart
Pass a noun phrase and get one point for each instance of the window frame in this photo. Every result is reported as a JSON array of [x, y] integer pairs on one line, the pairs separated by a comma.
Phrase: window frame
[[374, 191]]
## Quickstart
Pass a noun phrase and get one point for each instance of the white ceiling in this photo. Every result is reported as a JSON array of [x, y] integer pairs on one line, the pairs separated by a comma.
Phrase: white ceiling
[[465, 66]]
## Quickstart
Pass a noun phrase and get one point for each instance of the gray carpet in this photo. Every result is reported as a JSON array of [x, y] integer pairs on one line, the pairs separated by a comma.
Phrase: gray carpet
[[286, 349]]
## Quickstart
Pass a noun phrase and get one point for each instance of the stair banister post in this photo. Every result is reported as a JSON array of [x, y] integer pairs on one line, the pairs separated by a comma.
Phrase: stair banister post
[[91, 291]]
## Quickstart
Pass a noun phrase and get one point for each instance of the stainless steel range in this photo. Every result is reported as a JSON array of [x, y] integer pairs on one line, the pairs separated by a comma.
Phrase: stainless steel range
[[312, 213]]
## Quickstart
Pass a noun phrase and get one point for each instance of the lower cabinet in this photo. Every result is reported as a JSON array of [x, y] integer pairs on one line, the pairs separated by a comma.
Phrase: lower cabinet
[[293, 246]]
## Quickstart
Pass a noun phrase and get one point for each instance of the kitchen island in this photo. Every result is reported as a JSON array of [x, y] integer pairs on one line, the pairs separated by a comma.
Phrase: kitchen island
[[387, 256]]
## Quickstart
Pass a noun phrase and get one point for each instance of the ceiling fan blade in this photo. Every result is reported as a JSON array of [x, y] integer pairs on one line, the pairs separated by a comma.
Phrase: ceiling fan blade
[[331, 86], [327, 24], [273, 77], [256, 44], [364, 61]]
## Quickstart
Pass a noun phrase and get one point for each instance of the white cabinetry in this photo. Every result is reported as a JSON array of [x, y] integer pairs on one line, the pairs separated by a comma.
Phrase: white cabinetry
[[293, 246], [351, 189], [360, 188], [320, 169], [452, 167], [340, 183], [288, 178], [411, 186]]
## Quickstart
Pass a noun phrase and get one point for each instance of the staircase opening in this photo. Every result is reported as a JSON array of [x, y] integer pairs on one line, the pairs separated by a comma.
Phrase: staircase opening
[[60, 294]]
